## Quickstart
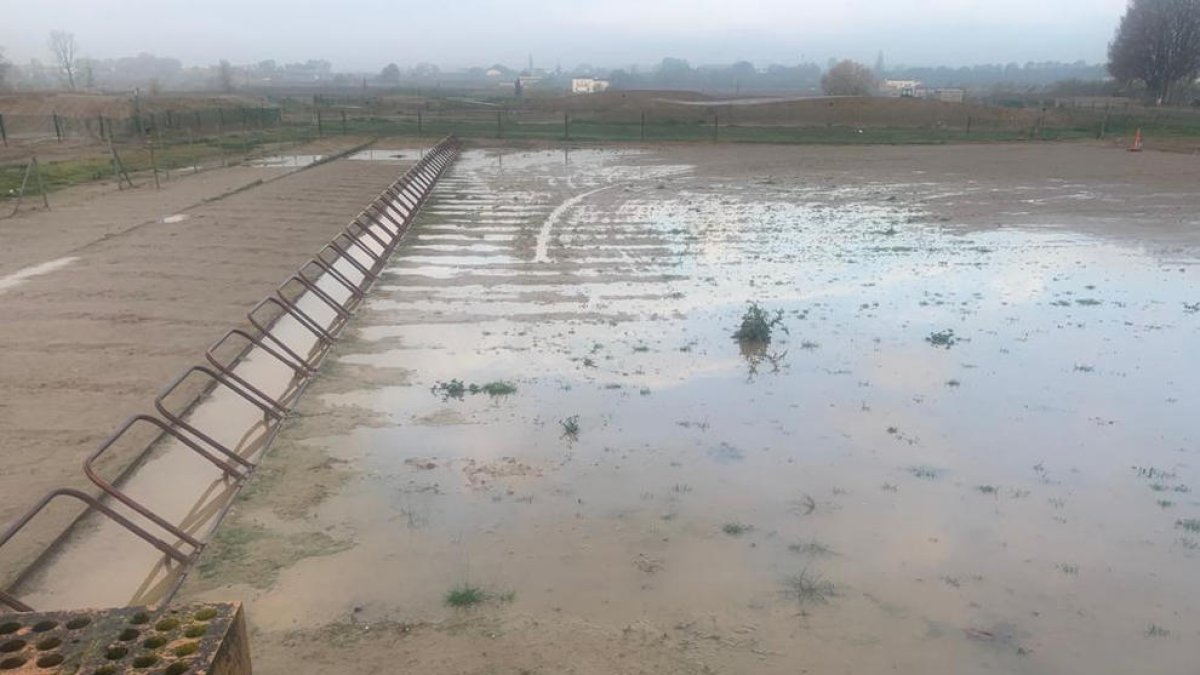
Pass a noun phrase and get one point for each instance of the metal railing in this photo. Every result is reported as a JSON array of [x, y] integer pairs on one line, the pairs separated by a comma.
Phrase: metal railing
[[352, 261]]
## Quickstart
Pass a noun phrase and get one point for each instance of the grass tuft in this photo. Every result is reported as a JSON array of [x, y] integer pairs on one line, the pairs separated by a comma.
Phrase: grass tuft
[[809, 588], [736, 529], [570, 427], [465, 596], [943, 338], [758, 324], [1189, 524]]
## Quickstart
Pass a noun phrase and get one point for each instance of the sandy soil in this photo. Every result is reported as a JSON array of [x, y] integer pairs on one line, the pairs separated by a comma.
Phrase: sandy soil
[[138, 284], [855, 498]]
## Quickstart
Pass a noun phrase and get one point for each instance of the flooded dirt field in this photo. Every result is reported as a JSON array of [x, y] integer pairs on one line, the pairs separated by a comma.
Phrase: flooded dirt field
[[968, 447]]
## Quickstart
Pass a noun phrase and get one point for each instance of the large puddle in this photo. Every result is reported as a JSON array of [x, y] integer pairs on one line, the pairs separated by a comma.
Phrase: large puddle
[[967, 453]]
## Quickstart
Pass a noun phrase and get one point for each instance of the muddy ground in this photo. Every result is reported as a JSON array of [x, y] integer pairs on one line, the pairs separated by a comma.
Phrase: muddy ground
[[966, 447], [109, 295]]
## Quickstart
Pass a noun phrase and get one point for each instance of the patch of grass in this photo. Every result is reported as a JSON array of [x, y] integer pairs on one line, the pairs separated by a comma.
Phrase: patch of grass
[[457, 389], [497, 388], [1068, 569], [812, 548], [254, 555], [988, 489], [1189, 524], [570, 427], [464, 595], [942, 338], [757, 325], [809, 588], [1155, 630], [953, 383], [1165, 503], [447, 390], [736, 529], [1088, 302], [925, 472]]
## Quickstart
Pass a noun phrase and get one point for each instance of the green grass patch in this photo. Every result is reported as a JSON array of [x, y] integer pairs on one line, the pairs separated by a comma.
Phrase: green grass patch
[[465, 595]]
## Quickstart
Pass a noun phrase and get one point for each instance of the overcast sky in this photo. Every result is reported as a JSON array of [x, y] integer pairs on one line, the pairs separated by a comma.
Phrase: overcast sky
[[367, 34]]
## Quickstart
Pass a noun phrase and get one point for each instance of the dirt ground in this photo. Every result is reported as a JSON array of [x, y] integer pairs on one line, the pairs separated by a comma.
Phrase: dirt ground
[[110, 294], [967, 454], [90, 105]]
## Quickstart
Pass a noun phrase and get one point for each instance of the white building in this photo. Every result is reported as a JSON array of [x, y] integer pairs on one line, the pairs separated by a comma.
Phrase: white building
[[901, 88], [588, 85]]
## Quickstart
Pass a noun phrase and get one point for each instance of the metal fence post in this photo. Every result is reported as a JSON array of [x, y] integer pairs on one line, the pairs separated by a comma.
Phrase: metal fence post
[[57, 127], [3, 133], [643, 125], [716, 125], [566, 126], [343, 122], [320, 127]]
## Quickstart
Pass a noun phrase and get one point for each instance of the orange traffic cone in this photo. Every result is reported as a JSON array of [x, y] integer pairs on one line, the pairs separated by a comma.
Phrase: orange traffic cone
[[1137, 142]]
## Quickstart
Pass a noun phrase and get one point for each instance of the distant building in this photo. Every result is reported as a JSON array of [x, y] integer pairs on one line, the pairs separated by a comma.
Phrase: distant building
[[901, 88], [917, 89], [588, 85]]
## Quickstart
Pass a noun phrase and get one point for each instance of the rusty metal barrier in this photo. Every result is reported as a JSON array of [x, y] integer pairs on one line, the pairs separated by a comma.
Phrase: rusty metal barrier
[[180, 421], [120, 495], [362, 248], [280, 402], [94, 505]]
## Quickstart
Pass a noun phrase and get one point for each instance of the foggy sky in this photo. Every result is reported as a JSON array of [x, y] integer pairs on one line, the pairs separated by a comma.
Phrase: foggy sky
[[364, 35]]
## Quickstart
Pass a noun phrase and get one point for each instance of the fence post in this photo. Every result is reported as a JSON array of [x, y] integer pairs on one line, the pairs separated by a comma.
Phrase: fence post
[[3, 132], [343, 122], [643, 126], [716, 125], [57, 128], [154, 163], [566, 126], [968, 126], [419, 121], [37, 167], [320, 127], [1104, 124], [499, 127]]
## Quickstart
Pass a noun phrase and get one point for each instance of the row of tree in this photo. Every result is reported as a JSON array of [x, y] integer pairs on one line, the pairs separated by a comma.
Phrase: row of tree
[[1156, 48]]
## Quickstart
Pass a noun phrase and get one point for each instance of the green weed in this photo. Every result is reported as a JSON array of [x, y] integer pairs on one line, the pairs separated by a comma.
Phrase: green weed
[[736, 529], [570, 427], [465, 595], [757, 325], [942, 338]]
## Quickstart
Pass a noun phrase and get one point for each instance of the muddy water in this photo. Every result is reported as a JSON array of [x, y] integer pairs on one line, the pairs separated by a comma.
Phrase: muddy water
[[958, 453]]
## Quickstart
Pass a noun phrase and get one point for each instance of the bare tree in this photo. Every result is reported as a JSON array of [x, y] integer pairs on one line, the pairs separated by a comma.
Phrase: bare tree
[[1158, 44], [63, 45], [4, 66], [225, 76], [848, 78]]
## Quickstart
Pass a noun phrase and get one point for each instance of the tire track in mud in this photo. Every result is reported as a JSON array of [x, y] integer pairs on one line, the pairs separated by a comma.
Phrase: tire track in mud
[[543, 239]]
